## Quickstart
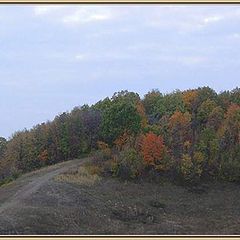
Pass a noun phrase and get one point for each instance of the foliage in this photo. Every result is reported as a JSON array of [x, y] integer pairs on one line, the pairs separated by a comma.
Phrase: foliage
[[153, 151], [191, 167], [120, 117], [179, 133], [194, 133]]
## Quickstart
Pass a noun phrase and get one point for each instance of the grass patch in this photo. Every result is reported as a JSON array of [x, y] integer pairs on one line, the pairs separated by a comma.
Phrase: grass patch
[[81, 176]]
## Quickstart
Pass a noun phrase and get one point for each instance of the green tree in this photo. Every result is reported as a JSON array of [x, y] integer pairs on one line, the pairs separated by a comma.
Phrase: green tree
[[119, 118]]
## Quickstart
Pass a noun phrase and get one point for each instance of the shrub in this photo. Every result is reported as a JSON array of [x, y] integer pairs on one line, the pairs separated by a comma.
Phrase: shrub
[[128, 164]]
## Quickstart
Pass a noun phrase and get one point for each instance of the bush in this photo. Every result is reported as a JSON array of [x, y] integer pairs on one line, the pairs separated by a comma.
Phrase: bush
[[128, 164]]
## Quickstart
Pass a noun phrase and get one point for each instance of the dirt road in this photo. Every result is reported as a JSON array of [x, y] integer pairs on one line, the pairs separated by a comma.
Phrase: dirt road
[[38, 203], [14, 196]]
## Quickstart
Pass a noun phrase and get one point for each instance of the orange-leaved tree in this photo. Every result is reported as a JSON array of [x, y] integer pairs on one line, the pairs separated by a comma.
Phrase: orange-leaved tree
[[153, 149]]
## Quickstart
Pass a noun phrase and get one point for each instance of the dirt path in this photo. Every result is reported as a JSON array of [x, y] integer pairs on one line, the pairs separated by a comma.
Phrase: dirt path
[[13, 195]]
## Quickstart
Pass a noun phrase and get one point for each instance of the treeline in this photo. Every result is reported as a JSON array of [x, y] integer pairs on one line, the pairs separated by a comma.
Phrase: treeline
[[190, 135]]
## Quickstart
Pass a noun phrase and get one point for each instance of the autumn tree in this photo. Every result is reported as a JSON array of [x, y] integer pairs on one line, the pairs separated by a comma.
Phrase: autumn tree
[[189, 99], [153, 150]]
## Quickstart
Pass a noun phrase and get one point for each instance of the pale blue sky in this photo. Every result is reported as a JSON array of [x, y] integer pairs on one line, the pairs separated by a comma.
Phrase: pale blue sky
[[55, 57]]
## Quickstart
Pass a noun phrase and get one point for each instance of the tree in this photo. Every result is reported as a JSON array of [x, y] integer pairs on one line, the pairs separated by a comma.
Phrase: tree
[[205, 110], [169, 104], [91, 121], [180, 132], [102, 105], [141, 112], [235, 96], [215, 118], [120, 117], [150, 100], [208, 145], [153, 149], [230, 130], [189, 99], [125, 96], [224, 100]]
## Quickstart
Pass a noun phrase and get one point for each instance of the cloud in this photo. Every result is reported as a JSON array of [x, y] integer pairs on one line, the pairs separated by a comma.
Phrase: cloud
[[212, 19], [44, 10], [81, 57], [192, 60], [87, 14], [100, 56], [191, 19], [234, 36], [70, 15]]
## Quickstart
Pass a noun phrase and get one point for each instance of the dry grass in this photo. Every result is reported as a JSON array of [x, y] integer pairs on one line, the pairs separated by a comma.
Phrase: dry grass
[[79, 176], [93, 169]]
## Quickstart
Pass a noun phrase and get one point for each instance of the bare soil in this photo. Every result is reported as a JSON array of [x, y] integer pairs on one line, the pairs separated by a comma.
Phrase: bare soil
[[37, 203]]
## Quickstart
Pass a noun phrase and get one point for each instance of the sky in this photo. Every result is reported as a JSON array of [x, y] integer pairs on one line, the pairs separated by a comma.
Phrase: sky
[[56, 57]]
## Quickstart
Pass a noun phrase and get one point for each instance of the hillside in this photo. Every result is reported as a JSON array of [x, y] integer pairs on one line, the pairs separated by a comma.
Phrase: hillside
[[57, 200]]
